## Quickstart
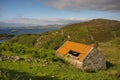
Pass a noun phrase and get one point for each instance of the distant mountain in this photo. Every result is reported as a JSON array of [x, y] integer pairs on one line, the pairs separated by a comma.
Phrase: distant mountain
[[8, 25], [27, 26]]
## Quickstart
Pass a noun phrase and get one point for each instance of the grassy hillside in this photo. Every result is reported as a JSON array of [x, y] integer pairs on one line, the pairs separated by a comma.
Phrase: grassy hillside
[[94, 31], [42, 64], [32, 57]]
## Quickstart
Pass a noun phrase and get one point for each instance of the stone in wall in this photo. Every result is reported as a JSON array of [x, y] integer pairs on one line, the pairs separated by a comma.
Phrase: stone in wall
[[94, 60]]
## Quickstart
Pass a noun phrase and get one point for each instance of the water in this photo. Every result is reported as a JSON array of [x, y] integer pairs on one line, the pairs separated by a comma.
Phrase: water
[[22, 31], [5, 39]]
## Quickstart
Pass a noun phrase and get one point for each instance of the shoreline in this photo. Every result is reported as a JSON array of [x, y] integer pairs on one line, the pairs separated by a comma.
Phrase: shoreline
[[5, 37], [6, 34]]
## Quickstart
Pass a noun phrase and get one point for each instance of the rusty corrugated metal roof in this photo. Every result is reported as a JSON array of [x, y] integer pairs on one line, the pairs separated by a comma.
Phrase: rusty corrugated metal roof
[[83, 49]]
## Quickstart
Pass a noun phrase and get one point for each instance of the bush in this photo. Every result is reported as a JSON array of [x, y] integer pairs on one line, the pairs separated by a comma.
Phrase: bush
[[18, 49]]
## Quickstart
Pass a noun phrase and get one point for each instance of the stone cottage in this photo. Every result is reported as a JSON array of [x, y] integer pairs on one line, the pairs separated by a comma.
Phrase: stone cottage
[[82, 56]]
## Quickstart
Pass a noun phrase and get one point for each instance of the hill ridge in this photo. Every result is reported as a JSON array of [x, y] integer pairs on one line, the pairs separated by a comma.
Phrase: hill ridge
[[93, 31]]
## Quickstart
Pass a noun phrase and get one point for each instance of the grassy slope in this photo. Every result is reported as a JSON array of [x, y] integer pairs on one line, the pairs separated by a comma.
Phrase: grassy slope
[[98, 30], [104, 32], [51, 68], [25, 39]]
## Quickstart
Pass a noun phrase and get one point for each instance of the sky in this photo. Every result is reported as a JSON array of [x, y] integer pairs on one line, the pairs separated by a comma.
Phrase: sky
[[57, 11]]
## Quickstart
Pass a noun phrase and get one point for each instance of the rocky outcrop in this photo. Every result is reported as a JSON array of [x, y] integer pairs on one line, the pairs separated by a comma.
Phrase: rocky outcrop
[[17, 58], [13, 58]]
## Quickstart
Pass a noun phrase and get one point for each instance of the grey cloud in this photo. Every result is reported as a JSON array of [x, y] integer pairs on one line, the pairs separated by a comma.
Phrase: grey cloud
[[78, 5]]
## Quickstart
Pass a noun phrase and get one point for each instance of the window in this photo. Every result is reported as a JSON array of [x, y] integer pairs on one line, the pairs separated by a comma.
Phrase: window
[[74, 53]]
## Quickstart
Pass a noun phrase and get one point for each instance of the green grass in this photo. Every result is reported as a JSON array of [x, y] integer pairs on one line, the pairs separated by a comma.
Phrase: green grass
[[25, 39], [51, 68], [58, 70], [98, 30], [46, 66]]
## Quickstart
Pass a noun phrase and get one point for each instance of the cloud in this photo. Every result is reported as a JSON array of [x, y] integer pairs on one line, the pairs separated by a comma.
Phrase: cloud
[[45, 21], [78, 5]]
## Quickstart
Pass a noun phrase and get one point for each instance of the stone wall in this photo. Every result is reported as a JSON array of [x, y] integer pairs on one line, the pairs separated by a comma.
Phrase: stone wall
[[71, 59], [95, 60]]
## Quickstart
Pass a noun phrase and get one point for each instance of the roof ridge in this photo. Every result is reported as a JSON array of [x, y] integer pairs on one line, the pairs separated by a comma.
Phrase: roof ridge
[[85, 47]]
